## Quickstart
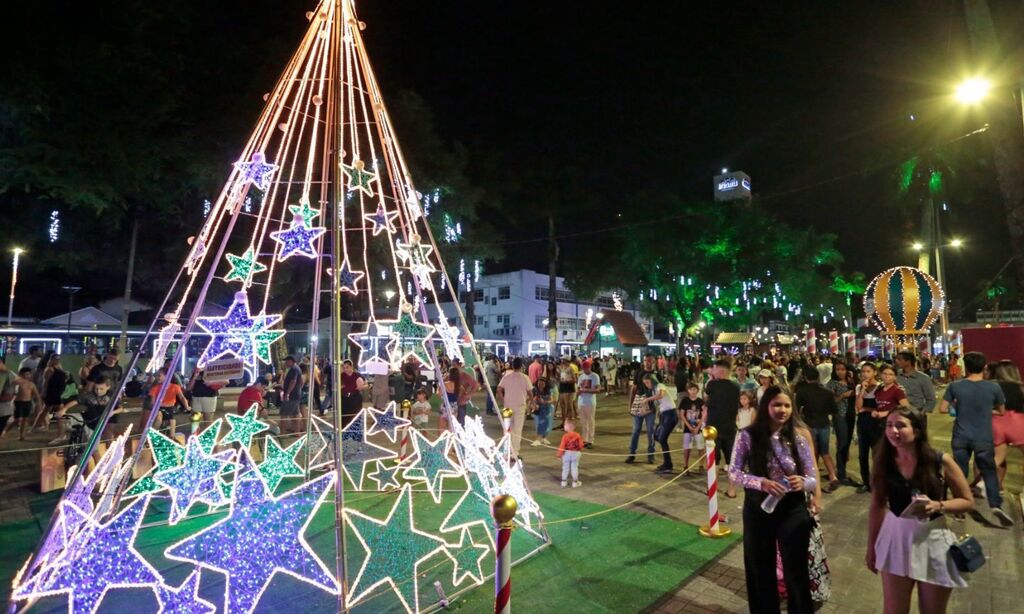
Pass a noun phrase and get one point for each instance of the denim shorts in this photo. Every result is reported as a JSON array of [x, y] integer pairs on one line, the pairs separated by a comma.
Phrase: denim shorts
[[821, 437]]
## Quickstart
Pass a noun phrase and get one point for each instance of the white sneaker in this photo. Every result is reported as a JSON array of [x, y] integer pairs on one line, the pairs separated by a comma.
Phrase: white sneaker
[[1002, 517], [546, 442], [563, 483], [536, 443], [577, 484]]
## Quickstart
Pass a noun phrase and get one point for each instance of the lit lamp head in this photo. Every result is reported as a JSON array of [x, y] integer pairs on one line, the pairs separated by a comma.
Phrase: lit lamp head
[[973, 90]]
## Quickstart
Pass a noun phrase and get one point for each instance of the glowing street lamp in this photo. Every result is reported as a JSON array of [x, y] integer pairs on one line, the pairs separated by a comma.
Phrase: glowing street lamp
[[917, 245], [973, 90], [14, 282], [956, 243]]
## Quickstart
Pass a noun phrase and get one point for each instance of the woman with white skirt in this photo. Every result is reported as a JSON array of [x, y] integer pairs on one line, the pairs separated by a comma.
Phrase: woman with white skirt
[[908, 541]]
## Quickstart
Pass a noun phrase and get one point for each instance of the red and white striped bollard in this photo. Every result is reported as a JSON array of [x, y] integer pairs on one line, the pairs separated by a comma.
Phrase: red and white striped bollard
[[714, 527], [503, 508]]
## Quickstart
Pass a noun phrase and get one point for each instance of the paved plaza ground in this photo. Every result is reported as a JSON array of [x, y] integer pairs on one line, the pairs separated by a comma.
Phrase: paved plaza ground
[[718, 586]]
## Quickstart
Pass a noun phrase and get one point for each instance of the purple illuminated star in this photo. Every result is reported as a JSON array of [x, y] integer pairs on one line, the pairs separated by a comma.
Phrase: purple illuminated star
[[381, 220], [194, 480], [257, 171], [261, 536], [356, 451], [373, 343], [239, 334], [185, 599], [98, 558], [347, 278], [298, 239]]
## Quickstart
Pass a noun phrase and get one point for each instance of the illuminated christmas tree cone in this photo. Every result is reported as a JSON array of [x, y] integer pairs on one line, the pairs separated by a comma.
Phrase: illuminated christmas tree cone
[[320, 202]]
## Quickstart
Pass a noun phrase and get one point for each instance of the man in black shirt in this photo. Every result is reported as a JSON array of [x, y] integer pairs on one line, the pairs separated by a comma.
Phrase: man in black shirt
[[817, 406], [722, 403], [108, 368]]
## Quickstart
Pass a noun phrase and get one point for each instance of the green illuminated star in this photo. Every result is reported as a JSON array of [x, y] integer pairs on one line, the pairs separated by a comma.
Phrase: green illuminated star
[[167, 454], [430, 462], [303, 209], [244, 427], [473, 507], [385, 477], [208, 438], [279, 463], [262, 341], [409, 339], [468, 556], [359, 178], [394, 549], [243, 267]]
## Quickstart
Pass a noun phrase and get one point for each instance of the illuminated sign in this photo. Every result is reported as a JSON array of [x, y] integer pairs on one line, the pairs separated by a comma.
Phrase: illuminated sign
[[606, 330], [728, 184]]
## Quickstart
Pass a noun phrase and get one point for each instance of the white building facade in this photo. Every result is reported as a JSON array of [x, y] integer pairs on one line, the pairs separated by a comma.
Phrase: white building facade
[[513, 307]]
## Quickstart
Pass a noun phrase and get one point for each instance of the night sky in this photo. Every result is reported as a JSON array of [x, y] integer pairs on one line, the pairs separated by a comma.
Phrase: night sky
[[812, 99]]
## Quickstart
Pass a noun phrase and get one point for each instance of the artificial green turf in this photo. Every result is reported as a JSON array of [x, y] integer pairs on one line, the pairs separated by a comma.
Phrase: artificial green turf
[[619, 561]]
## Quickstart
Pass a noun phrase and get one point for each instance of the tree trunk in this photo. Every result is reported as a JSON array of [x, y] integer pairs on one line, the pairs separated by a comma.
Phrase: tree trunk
[[1005, 130], [122, 341], [552, 286], [470, 311]]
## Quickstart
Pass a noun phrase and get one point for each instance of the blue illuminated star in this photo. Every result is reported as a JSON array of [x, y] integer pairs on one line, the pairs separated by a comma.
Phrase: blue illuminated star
[[185, 599], [385, 476], [387, 422], [239, 334], [347, 278], [430, 462], [195, 479], [373, 343], [298, 239], [257, 171], [99, 557], [261, 536], [394, 550], [356, 451], [381, 220]]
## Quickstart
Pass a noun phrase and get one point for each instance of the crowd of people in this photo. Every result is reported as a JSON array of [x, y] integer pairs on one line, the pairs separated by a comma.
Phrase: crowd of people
[[775, 419]]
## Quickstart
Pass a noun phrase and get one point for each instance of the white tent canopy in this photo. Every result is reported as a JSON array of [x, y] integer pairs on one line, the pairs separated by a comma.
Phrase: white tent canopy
[[84, 317]]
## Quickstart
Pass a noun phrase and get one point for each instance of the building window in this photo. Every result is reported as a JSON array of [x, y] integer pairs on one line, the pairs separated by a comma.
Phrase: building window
[[539, 321], [504, 293], [540, 293], [478, 320], [478, 295], [503, 320]]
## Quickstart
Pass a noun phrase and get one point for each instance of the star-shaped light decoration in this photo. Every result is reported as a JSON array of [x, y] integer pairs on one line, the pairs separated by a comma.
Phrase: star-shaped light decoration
[[373, 343], [359, 178], [257, 171], [320, 443], [395, 548], [279, 463], [194, 480], [298, 239], [382, 220], [184, 599], [385, 476], [416, 257], [167, 454], [96, 559], [304, 209], [196, 254], [244, 267], [469, 557], [163, 341], [474, 506], [356, 451], [386, 421], [245, 427], [261, 536], [239, 334], [449, 336], [409, 338], [347, 278], [430, 462]]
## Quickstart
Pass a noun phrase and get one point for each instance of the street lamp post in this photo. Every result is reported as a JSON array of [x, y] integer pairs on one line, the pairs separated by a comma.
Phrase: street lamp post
[[71, 290], [14, 282]]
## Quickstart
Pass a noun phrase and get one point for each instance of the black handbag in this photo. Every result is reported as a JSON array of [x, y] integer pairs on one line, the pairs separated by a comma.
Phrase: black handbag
[[967, 553]]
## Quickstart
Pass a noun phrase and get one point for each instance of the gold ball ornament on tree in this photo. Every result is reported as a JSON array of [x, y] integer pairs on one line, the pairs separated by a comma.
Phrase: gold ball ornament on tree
[[710, 433], [504, 508]]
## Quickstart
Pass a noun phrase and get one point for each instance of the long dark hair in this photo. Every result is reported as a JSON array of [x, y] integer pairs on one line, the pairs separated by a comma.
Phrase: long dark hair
[[454, 376], [760, 433], [926, 472]]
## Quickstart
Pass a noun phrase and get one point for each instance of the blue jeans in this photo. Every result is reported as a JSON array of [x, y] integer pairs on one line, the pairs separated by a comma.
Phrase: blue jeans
[[460, 415], [543, 420], [985, 457], [638, 423], [669, 420]]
